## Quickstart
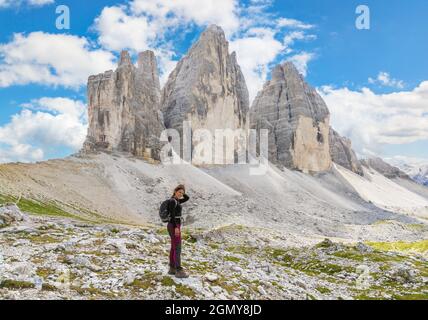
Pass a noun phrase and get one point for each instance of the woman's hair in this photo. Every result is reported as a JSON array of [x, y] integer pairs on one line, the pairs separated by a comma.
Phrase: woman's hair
[[179, 187]]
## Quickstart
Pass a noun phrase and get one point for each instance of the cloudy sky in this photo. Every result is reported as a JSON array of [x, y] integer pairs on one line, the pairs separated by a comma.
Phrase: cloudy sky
[[374, 81]]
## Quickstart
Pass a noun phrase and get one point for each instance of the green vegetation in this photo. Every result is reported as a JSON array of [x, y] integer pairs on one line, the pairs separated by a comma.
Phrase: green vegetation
[[419, 246], [53, 209], [414, 296], [323, 290], [48, 287], [189, 238], [44, 272], [242, 250], [167, 281], [14, 284], [88, 291], [232, 259], [146, 282], [185, 291], [42, 239]]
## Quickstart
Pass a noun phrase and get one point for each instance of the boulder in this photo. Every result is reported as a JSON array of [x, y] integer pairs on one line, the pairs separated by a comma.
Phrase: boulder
[[10, 214]]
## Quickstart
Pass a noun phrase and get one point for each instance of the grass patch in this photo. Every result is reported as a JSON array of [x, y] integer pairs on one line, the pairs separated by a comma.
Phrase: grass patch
[[351, 254], [232, 259], [51, 209], [15, 285], [401, 246], [167, 281], [413, 296], [146, 282], [323, 290], [313, 267], [185, 291], [189, 238], [48, 287], [242, 250], [44, 272]]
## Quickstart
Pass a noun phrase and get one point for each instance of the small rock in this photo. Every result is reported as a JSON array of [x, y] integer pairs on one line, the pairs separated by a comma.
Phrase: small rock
[[23, 269], [216, 289], [211, 277], [261, 290], [363, 248], [236, 269], [129, 278], [362, 269], [301, 284]]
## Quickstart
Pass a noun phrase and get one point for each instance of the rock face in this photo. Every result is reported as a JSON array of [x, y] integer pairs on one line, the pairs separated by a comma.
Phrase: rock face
[[124, 108], [384, 168], [207, 87], [342, 153], [297, 119], [9, 214]]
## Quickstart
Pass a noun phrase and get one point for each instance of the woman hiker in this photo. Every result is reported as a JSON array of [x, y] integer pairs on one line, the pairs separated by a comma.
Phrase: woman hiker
[[174, 230]]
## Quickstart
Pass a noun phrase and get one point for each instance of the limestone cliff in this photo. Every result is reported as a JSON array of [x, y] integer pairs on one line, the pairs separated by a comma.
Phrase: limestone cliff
[[343, 154], [207, 87], [297, 119], [124, 108]]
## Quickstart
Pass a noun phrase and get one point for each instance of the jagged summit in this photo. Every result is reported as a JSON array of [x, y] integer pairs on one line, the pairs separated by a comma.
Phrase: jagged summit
[[207, 87], [297, 119], [128, 109], [125, 59], [124, 108]]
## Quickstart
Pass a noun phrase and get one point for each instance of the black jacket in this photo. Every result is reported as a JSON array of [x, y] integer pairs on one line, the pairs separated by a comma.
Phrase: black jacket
[[175, 208]]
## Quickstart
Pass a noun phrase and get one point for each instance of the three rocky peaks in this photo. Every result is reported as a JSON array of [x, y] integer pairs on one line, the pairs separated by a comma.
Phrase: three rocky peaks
[[128, 109]]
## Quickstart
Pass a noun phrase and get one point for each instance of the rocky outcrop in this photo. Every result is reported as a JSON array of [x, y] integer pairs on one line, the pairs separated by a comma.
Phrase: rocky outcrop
[[10, 214], [207, 87], [124, 108], [297, 119], [384, 168], [342, 153]]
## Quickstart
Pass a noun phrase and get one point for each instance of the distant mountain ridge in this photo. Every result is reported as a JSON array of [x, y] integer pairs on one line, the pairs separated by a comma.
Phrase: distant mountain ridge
[[417, 169]]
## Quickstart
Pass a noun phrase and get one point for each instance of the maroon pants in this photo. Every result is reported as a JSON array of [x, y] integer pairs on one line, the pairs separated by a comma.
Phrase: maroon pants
[[175, 252]]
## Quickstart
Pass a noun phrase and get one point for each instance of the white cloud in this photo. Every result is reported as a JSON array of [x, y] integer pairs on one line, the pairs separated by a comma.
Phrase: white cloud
[[262, 44], [16, 3], [50, 59], [373, 120], [301, 61], [220, 12], [43, 124], [257, 36], [291, 37], [384, 79], [40, 2], [293, 23], [254, 53]]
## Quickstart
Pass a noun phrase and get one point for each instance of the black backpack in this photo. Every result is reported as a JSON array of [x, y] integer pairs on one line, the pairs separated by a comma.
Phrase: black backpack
[[164, 213]]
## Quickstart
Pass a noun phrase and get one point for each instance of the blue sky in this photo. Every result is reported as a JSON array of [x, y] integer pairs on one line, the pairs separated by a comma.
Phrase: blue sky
[[374, 81]]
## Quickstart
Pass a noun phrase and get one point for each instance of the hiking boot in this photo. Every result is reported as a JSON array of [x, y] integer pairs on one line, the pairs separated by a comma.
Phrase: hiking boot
[[181, 274], [172, 270]]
